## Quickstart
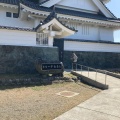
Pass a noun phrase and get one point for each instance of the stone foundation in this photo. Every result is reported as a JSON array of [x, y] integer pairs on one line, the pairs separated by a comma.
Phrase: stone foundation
[[21, 59], [99, 60]]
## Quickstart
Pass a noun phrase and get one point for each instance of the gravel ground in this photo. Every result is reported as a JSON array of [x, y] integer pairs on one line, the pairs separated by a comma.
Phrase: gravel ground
[[41, 102]]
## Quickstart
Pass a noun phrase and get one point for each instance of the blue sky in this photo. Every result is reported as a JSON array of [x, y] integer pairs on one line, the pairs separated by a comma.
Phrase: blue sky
[[114, 6]]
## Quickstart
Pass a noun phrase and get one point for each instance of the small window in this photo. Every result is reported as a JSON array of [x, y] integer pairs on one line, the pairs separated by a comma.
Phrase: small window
[[15, 15], [8, 14]]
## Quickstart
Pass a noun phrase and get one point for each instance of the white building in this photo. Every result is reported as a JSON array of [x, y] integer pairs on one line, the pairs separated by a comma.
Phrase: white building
[[85, 25]]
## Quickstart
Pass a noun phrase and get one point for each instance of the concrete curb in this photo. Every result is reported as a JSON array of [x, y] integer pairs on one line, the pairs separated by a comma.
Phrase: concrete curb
[[90, 81]]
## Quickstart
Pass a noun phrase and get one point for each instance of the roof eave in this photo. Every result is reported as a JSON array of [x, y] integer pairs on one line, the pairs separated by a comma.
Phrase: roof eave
[[56, 21], [46, 12], [106, 1]]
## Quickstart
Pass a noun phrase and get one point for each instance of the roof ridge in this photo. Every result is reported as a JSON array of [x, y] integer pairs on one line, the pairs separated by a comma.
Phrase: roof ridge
[[107, 8], [50, 17], [28, 2], [59, 10], [67, 11], [16, 28]]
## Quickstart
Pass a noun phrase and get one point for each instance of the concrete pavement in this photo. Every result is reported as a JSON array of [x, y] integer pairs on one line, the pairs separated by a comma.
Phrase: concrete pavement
[[111, 81], [103, 106]]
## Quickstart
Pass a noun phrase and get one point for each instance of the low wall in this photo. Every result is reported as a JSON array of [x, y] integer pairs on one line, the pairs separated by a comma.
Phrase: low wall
[[110, 73], [90, 81], [99, 60], [21, 59]]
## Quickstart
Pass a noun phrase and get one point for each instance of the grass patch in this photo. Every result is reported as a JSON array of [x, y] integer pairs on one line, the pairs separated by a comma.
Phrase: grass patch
[[55, 85], [38, 88], [38, 102]]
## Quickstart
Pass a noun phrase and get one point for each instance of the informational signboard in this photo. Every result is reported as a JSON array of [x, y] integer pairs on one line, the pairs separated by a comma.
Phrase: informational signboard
[[51, 66]]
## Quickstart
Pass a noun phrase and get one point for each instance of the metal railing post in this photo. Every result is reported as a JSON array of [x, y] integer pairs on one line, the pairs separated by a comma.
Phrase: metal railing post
[[72, 66], [81, 69], [91, 73], [96, 76], [76, 66], [105, 77], [88, 71]]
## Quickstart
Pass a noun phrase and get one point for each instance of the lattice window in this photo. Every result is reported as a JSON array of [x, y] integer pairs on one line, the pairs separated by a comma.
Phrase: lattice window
[[42, 39]]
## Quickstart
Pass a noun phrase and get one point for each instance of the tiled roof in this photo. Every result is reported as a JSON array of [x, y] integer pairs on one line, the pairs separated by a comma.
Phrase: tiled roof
[[59, 10], [44, 2], [107, 8], [16, 28], [51, 17], [83, 14], [35, 6], [13, 2], [100, 1], [68, 12]]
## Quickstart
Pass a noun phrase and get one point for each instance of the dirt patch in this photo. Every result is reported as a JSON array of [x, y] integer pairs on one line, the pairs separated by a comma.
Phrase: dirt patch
[[67, 94], [41, 102]]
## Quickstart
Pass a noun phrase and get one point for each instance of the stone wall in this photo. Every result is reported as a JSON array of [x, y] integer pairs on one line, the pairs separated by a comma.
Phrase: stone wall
[[99, 60], [21, 59]]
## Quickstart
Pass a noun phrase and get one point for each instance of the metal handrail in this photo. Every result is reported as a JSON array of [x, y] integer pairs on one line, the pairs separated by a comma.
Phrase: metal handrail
[[88, 69]]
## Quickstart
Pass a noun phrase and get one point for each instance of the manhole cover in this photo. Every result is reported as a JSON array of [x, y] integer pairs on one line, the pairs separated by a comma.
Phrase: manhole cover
[[67, 94]]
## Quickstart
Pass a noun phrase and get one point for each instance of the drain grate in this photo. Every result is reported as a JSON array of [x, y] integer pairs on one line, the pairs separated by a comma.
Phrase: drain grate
[[67, 94]]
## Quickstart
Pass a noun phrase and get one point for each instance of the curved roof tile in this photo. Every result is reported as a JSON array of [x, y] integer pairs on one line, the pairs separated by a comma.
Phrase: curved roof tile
[[60, 10], [13, 2], [51, 17], [68, 12]]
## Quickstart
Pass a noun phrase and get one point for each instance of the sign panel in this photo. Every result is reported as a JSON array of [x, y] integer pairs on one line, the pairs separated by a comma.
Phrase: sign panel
[[51, 66]]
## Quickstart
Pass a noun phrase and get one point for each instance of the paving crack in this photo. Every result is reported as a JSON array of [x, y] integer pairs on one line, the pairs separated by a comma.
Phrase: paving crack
[[99, 112]]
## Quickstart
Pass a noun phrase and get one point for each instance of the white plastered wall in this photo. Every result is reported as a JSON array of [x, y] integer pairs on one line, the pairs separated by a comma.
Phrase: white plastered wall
[[13, 22], [79, 4], [106, 34], [16, 37], [86, 32], [89, 46], [92, 32]]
